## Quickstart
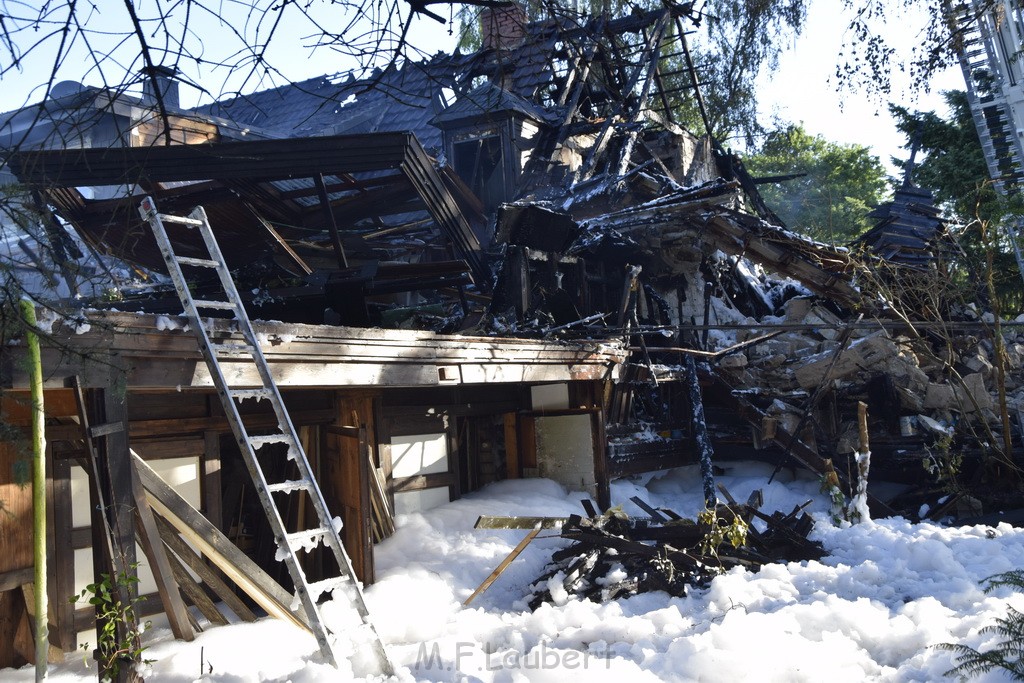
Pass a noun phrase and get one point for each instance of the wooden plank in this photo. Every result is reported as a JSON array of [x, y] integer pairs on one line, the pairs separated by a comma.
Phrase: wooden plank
[[516, 552], [61, 587], [16, 517], [211, 483], [194, 592], [348, 484], [212, 543], [511, 447], [497, 522], [54, 654], [159, 562], [208, 576]]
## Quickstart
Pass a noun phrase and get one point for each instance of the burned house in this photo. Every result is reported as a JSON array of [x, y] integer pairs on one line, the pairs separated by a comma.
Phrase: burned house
[[479, 266]]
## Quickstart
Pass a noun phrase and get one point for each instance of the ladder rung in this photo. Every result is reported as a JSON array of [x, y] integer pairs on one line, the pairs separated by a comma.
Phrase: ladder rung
[[258, 442], [258, 394], [168, 218], [289, 486], [200, 262], [221, 305], [305, 538], [319, 587]]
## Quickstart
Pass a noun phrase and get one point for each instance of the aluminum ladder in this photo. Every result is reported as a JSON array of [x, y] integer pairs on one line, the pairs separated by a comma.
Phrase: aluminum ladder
[[978, 51], [249, 353]]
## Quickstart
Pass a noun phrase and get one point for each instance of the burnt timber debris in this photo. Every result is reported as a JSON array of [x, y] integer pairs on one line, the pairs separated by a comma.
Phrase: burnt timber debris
[[613, 555], [497, 255]]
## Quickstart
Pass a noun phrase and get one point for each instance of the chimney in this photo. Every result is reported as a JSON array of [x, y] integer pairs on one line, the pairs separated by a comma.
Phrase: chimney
[[160, 79], [503, 28]]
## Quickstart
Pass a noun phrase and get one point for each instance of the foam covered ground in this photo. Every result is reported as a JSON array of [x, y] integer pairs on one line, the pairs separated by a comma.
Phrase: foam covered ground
[[870, 610]]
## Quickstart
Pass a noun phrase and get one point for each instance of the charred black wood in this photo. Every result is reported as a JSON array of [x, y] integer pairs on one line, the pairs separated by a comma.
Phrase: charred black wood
[[612, 556]]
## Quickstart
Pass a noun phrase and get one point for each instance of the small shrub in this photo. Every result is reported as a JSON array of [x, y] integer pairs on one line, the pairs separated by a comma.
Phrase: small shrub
[[1008, 654], [113, 649]]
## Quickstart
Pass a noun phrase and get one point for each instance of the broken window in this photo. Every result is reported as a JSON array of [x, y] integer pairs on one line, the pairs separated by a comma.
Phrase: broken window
[[480, 163]]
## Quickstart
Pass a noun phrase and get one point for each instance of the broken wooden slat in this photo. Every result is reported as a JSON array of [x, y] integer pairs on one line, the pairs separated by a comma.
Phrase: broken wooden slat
[[148, 537], [516, 552], [494, 522], [188, 521], [208, 576], [653, 512]]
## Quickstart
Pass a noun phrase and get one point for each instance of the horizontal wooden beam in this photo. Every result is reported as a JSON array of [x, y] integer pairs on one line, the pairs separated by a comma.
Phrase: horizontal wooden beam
[[253, 159]]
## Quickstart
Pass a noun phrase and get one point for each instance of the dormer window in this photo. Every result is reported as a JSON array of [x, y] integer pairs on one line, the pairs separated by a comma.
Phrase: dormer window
[[480, 160], [489, 134]]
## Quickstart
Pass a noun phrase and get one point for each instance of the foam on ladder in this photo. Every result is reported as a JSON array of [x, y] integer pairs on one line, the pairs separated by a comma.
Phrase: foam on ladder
[[284, 443]]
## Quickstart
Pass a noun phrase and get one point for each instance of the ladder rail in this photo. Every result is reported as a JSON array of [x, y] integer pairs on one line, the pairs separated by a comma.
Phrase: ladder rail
[[284, 418], [326, 532]]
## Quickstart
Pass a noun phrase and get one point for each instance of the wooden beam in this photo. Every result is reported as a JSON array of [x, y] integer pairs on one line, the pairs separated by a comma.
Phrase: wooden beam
[[212, 543], [207, 575], [13, 579], [196, 595], [516, 552], [163, 571]]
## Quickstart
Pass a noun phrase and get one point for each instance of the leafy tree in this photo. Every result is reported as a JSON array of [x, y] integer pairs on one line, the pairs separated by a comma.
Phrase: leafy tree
[[953, 167], [831, 201], [869, 59]]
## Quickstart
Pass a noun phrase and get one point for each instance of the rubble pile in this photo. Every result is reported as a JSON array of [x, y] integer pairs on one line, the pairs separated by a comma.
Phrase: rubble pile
[[613, 555]]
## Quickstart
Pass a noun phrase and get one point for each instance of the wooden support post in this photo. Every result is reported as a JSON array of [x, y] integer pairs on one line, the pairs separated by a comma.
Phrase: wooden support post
[[600, 439], [117, 517], [163, 571], [211, 484], [63, 555], [325, 203], [700, 432]]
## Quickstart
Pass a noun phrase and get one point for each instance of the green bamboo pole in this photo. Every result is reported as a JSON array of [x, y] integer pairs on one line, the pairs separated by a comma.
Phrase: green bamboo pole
[[42, 636]]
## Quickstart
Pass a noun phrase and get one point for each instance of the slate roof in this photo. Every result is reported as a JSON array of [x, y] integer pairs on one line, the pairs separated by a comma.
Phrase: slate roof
[[400, 99], [487, 99]]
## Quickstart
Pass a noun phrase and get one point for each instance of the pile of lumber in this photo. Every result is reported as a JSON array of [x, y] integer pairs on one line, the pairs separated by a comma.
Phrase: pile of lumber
[[613, 555]]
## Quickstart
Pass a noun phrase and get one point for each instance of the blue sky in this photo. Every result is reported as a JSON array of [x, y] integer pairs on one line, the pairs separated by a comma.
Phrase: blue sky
[[804, 89]]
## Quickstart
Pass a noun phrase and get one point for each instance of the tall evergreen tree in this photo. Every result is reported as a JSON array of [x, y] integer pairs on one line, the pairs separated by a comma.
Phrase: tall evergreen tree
[[953, 168]]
